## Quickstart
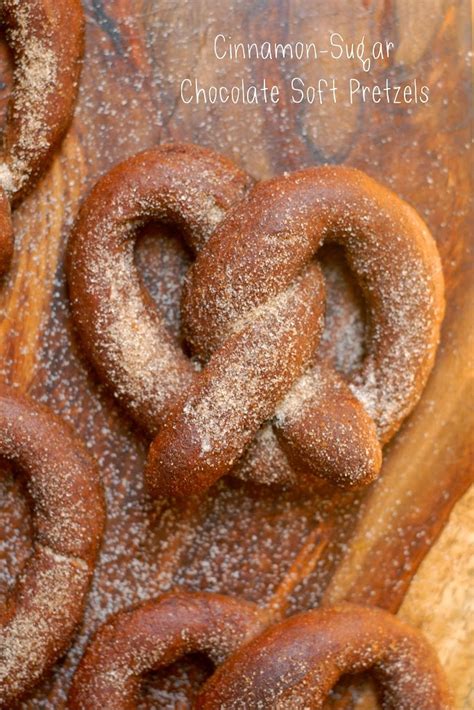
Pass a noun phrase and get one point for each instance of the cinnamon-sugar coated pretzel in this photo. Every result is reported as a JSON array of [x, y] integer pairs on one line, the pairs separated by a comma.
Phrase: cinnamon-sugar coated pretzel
[[291, 665], [255, 254], [294, 665], [40, 614], [46, 38], [252, 314], [153, 635], [122, 331]]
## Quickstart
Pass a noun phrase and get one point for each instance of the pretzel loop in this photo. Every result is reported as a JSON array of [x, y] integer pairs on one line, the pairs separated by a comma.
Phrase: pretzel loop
[[122, 331], [255, 254], [153, 635], [40, 614], [46, 39], [296, 663]]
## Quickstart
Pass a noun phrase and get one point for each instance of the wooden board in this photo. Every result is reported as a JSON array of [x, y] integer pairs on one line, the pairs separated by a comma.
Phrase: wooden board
[[259, 542]]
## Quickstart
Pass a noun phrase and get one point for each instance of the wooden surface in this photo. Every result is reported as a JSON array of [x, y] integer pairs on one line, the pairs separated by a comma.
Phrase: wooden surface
[[259, 543]]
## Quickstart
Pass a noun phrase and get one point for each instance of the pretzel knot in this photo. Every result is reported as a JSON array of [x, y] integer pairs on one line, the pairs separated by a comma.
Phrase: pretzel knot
[[260, 404], [288, 665], [47, 44]]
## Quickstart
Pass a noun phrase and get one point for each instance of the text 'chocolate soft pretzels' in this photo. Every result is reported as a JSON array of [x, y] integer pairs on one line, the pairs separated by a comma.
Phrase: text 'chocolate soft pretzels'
[[46, 38], [293, 664], [252, 309], [39, 616]]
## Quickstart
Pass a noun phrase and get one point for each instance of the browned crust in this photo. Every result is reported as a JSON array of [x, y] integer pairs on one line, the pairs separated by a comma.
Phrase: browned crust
[[292, 664], [38, 618], [296, 663], [153, 635], [47, 40], [252, 311]]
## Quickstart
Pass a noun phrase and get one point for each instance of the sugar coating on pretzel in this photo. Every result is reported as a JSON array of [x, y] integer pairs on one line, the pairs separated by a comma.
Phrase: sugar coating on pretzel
[[296, 663], [239, 388], [125, 336], [255, 399], [153, 635], [46, 38], [293, 664], [121, 331], [389, 249], [256, 253], [39, 615]]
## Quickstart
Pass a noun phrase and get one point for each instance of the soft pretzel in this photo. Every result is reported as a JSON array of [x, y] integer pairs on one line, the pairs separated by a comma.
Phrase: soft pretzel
[[153, 635], [252, 308], [254, 255], [293, 664], [121, 329], [46, 37], [296, 663], [39, 616]]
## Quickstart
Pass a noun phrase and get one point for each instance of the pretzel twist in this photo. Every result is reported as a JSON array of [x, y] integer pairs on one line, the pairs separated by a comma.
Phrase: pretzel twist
[[293, 664], [255, 254], [46, 37], [252, 314], [38, 617]]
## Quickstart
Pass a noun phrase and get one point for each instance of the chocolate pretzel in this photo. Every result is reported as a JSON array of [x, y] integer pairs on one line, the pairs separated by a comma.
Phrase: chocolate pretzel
[[47, 41], [292, 664], [296, 663], [261, 404], [153, 635], [254, 255], [40, 614]]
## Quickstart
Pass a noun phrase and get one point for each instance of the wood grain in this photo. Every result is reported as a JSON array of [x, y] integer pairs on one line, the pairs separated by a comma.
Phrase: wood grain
[[241, 539]]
